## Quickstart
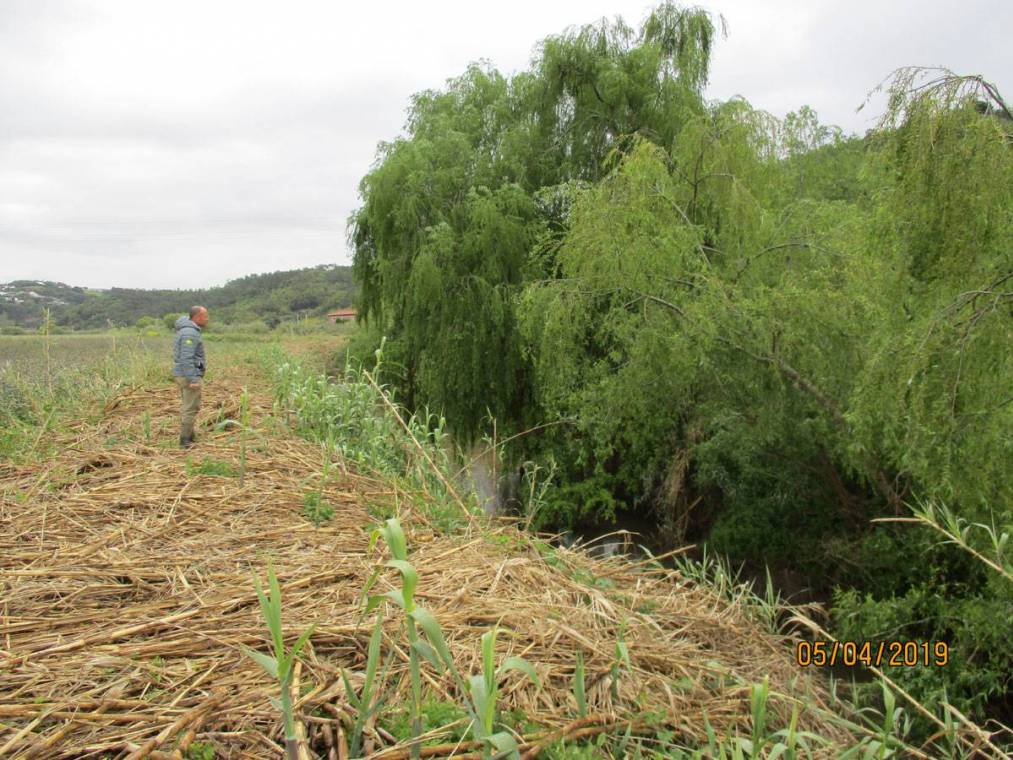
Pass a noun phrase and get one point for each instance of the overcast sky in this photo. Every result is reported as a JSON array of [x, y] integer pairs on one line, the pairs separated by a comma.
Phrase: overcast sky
[[177, 143]]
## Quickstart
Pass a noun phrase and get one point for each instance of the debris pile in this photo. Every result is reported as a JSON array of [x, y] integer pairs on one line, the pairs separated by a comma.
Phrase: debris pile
[[126, 599]]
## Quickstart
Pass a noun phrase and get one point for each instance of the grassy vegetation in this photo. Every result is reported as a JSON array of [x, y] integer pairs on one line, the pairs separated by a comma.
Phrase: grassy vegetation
[[47, 379], [281, 664], [357, 419]]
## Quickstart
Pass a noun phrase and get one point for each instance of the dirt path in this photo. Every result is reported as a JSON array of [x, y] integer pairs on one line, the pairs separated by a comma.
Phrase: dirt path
[[126, 598]]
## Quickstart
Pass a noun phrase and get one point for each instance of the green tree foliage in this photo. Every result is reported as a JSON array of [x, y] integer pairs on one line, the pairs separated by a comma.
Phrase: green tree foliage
[[935, 393], [811, 361], [452, 210], [760, 331]]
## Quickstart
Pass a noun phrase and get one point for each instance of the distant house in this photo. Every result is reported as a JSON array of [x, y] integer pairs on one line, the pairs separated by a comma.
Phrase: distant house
[[341, 315]]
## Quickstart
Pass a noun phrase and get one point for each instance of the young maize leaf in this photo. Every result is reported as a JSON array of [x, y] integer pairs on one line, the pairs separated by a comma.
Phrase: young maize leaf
[[301, 642], [505, 745], [271, 614], [372, 657], [350, 692], [484, 705], [489, 663], [522, 665], [579, 685], [265, 661], [409, 581], [433, 632], [394, 595], [426, 650], [396, 539]]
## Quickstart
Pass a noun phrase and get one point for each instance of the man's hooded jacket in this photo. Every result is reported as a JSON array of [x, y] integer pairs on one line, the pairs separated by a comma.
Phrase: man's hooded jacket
[[188, 351]]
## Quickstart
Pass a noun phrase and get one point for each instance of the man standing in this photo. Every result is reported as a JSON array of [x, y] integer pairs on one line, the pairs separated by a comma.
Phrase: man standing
[[188, 368]]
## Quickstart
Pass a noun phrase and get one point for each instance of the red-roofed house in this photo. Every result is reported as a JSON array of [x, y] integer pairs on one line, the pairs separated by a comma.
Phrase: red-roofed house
[[342, 315]]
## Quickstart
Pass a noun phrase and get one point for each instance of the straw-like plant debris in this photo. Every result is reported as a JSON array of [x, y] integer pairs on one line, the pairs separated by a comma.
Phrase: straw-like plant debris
[[128, 607]]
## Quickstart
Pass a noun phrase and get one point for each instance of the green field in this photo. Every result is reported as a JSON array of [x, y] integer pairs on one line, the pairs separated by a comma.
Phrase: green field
[[46, 380]]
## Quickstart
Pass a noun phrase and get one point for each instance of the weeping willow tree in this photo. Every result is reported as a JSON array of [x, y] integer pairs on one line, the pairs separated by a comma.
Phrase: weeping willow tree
[[699, 321], [726, 329], [760, 332], [453, 209], [935, 394]]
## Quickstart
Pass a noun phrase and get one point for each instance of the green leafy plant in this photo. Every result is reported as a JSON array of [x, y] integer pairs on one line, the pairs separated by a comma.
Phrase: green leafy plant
[[366, 702], [315, 510], [210, 466], [356, 417], [279, 664], [579, 685], [484, 692], [200, 751], [404, 598], [482, 689], [963, 533]]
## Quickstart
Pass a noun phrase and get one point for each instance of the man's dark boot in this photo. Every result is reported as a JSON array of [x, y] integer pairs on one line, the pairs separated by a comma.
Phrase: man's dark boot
[[185, 441]]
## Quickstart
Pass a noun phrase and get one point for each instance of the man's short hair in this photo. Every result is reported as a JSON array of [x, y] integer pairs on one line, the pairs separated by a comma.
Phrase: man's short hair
[[195, 310]]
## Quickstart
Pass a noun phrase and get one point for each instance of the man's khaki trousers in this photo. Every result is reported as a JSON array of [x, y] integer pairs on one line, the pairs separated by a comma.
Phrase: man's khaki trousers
[[191, 403]]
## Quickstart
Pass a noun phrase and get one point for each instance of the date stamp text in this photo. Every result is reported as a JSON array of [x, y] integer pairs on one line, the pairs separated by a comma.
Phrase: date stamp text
[[907, 654]]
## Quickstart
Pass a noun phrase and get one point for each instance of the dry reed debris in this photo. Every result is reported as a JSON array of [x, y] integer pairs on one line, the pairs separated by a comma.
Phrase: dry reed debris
[[126, 599]]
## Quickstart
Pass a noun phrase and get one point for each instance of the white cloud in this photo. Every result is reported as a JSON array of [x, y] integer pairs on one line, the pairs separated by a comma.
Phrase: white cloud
[[153, 143]]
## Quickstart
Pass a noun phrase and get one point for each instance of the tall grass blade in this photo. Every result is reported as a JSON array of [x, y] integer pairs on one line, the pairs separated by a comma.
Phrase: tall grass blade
[[579, 686]]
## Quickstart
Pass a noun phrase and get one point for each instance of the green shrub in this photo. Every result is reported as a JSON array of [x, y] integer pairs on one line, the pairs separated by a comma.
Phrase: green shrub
[[435, 713], [915, 589], [355, 419], [315, 510], [212, 467]]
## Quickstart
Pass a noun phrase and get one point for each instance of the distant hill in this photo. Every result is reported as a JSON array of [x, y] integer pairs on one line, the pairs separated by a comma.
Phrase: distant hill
[[272, 298]]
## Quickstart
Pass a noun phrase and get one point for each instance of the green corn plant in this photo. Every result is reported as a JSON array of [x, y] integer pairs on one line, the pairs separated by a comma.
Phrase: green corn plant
[[482, 690], [788, 740], [280, 665], [579, 686], [621, 658], [889, 726], [885, 731], [404, 598], [759, 694], [366, 703]]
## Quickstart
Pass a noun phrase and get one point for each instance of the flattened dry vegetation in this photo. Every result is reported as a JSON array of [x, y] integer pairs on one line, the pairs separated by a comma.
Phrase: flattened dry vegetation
[[127, 599]]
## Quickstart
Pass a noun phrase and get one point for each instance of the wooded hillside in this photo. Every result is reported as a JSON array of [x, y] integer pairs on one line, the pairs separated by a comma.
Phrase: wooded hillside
[[270, 298]]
